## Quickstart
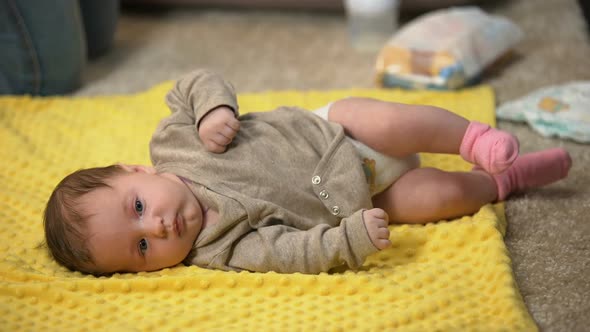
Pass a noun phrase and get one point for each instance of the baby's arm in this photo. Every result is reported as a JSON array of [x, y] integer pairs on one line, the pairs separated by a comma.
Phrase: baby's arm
[[205, 101], [286, 249]]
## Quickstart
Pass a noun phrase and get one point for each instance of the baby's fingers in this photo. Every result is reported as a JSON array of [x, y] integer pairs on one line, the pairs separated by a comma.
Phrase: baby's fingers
[[229, 131], [382, 244], [234, 124], [381, 240], [220, 139], [383, 233], [212, 146], [379, 214]]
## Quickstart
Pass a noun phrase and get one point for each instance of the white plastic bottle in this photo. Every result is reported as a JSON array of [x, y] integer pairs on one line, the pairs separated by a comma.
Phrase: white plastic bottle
[[371, 22]]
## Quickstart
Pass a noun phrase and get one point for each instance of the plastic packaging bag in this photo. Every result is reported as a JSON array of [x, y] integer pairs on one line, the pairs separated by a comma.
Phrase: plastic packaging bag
[[445, 49], [561, 110]]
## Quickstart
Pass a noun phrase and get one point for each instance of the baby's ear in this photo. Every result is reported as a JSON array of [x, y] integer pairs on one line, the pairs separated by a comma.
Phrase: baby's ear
[[138, 168]]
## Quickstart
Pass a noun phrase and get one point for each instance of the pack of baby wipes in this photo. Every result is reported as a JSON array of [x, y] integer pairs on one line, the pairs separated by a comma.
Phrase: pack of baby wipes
[[445, 49]]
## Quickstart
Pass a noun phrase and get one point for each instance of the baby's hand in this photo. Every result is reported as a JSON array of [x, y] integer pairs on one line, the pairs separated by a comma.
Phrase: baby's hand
[[376, 221], [218, 128]]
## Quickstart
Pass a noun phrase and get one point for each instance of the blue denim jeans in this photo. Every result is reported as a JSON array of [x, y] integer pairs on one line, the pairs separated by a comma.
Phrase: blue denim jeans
[[42, 46]]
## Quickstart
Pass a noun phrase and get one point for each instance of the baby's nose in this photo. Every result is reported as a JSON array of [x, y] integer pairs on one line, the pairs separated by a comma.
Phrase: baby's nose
[[156, 227]]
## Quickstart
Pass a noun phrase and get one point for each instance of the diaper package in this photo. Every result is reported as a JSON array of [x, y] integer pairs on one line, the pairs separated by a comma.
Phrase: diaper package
[[445, 49], [554, 111]]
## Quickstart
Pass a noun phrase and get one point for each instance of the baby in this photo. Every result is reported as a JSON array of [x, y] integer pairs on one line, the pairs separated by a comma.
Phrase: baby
[[286, 191]]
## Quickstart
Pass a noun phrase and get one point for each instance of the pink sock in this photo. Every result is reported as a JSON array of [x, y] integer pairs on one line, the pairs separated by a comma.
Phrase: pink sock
[[492, 149], [533, 170]]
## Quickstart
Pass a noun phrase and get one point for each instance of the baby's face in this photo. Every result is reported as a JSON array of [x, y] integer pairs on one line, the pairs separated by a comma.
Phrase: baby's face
[[145, 222]]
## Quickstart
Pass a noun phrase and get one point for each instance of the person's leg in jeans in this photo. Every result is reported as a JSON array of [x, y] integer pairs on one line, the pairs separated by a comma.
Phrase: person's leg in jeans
[[43, 47], [100, 23]]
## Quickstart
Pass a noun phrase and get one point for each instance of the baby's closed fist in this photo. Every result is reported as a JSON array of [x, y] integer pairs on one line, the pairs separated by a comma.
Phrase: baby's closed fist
[[218, 128], [376, 222]]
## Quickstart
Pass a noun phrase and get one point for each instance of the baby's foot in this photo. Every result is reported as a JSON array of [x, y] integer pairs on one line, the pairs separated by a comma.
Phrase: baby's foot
[[376, 221], [492, 149], [533, 170]]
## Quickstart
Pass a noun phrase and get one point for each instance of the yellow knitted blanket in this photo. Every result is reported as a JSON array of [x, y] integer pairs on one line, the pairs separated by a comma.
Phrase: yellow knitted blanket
[[446, 276]]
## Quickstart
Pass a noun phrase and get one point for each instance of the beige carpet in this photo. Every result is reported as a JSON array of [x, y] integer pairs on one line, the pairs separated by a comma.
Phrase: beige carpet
[[549, 229]]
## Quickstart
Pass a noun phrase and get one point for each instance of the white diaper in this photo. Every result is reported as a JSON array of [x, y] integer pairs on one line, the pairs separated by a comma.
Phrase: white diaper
[[381, 170]]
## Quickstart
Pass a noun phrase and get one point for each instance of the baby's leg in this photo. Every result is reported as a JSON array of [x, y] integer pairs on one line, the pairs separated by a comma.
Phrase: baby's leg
[[399, 130], [427, 194]]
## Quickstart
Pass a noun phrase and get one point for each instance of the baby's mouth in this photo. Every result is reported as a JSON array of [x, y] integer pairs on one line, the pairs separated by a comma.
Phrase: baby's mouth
[[178, 225]]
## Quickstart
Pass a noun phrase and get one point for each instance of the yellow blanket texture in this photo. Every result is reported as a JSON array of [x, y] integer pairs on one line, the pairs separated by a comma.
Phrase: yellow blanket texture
[[445, 276]]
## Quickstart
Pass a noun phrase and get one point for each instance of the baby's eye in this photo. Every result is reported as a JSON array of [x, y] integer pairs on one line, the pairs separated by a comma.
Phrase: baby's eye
[[143, 246], [139, 207]]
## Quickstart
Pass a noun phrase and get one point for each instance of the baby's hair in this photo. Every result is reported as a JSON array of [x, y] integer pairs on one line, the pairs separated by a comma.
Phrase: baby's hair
[[64, 221]]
